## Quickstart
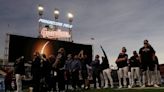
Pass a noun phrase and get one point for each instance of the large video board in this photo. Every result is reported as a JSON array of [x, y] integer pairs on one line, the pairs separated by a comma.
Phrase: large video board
[[26, 46]]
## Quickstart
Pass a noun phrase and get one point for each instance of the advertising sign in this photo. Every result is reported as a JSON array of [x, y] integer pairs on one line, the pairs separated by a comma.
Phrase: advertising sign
[[55, 23], [54, 34]]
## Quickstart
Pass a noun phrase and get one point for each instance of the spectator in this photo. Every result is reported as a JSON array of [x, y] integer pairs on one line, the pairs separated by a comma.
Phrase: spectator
[[75, 72], [96, 71], [36, 72], [84, 72], [157, 72], [122, 67], [51, 76], [67, 67], [134, 62], [45, 71], [59, 67], [147, 56], [19, 72], [106, 72]]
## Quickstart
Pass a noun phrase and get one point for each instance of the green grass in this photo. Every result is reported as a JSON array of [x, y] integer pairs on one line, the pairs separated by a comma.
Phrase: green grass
[[161, 89], [126, 90]]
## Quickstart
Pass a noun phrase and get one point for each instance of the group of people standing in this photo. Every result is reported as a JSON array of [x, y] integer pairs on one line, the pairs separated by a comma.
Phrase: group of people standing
[[141, 69], [68, 69], [58, 72]]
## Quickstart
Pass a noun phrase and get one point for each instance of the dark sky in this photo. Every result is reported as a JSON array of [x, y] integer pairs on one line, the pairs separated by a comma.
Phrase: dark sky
[[113, 23]]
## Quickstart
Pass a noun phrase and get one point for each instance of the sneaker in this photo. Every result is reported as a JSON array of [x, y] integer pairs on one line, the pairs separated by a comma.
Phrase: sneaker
[[98, 87], [73, 89], [149, 84], [86, 87], [112, 87], [82, 86], [125, 86], [106, 86], [129, 86], [140, 84], [155, 85], [120, 87], [143, 86], [62, 91]]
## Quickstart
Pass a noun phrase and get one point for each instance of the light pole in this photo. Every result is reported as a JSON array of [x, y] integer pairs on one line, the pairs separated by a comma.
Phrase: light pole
[[92, 39], [40, 10], [40, 13], [56, 15], [70, 19]]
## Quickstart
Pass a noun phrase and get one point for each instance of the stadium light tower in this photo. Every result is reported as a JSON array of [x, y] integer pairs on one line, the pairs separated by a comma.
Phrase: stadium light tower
[[56, 15], [70, 19], [40, 10], [40, 13]]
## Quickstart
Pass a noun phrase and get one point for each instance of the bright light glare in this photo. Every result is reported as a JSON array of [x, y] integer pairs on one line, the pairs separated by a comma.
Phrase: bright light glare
[[56, 12], [40, 8], [70, 15]]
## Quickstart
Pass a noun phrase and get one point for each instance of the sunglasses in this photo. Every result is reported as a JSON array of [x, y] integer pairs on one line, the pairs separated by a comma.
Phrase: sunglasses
[[145, 43]]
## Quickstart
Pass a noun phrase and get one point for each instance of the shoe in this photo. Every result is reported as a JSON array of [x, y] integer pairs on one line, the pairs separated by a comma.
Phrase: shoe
[[143, 86], [73, 88], [106, 86], [86, 87], [62, 91], [120, 87], [98, 88], [125, 86], [140, 84], [112, 87], [129, 86], [155, 85], [82, 86], [149, 84]]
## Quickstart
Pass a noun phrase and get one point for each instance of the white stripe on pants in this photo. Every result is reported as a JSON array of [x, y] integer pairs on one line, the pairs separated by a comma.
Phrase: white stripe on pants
[[123, 73], [18, 82], [107, 75]]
